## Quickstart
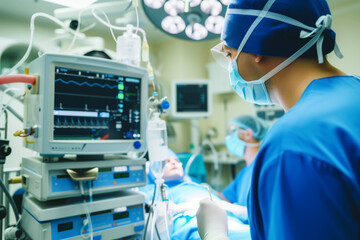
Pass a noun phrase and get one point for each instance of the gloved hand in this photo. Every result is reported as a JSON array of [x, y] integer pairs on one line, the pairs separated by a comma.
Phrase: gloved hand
[[212, 221]]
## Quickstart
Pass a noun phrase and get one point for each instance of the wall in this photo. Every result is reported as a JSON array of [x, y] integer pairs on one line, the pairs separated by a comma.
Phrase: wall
[[346, 23], [180, 59]]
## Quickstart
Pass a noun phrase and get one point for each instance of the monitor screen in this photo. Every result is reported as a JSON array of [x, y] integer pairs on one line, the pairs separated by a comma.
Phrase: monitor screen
[[191, 99], [86, 106], [96, 105]]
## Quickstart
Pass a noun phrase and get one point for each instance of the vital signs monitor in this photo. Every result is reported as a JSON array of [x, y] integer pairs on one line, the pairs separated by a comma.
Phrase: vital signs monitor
[[85, 106], [191, 99]]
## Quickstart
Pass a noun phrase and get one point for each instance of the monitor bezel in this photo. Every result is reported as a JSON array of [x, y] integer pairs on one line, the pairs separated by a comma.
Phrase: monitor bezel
[[46, 144], [192, 114]]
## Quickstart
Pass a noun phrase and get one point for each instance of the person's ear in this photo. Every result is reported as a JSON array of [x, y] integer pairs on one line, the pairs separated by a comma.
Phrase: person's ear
[[249, 134], [258, 58]]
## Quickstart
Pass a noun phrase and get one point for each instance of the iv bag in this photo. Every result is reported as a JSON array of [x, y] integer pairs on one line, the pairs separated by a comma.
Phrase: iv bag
[[128, 48]]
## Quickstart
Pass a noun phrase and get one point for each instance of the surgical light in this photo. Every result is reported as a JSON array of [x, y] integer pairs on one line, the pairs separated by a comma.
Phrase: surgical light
[[187, 19], [196, 31], [173, 24], [214, 24], [155, 4], [195, 3], [174, 7], [212, 7], [72, 3]]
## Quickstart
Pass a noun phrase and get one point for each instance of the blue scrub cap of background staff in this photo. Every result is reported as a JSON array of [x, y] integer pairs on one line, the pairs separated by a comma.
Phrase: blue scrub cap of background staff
[[273, 37], [257, 125]]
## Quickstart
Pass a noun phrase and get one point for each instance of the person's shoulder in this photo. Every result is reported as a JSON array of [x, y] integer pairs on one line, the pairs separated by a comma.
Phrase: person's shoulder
[[284, 127], [334, 90], [296, 131]]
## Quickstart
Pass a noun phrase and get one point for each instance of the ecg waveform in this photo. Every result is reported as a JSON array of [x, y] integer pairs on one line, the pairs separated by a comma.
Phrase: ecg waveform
[[86, 83]]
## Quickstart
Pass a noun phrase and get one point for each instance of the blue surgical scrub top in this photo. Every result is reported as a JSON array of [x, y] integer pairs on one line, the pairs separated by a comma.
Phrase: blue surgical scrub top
[[306, 178], [237, 191]]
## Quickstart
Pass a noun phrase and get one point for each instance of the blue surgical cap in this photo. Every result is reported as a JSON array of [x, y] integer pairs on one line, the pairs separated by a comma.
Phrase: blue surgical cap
[[272, 37], [171, 153], [257, 125]]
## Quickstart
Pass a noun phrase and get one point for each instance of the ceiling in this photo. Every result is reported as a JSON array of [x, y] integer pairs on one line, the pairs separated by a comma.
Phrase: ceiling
[[11, 9]]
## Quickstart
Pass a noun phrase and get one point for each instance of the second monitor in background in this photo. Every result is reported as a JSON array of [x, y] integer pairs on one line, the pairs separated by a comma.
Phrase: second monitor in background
[[191, 99]]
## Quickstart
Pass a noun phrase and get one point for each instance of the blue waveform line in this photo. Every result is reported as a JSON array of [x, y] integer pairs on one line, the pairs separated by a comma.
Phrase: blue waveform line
[[86, 83]]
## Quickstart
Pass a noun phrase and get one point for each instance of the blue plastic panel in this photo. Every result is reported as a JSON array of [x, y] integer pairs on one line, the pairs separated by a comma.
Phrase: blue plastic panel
[[74, 226], [63, 183]]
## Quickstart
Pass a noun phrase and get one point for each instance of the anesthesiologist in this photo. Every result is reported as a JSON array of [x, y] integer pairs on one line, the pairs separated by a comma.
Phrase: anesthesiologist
[[243, 139], [306, 177]]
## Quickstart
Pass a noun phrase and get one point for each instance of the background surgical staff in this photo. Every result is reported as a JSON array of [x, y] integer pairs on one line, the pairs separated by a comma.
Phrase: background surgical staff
[[243, 139], [305, 183]]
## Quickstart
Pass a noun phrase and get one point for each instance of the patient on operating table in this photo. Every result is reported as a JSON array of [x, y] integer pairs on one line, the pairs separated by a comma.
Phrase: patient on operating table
[[184, 196]]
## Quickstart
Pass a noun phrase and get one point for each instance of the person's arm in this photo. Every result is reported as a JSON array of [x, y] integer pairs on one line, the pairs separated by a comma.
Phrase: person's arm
[[298, 197], [237, 210], [221, 195], [230, 192]]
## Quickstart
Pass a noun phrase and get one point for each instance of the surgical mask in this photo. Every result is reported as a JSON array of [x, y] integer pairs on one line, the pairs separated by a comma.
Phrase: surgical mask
[[237, 146], [255, 91]]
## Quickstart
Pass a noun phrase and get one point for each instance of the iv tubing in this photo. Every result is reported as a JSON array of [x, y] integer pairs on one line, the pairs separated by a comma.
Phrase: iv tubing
[[88, 217], [77, 31], [150, 212], [90, 206], [107, 23], [11, 200], [154, 218], [32, 29], [5, 92], [92, 25], [117, 27], [197, 152], [137, 20], [216, 159], [191, 160], [4, 106], [166, 220]]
